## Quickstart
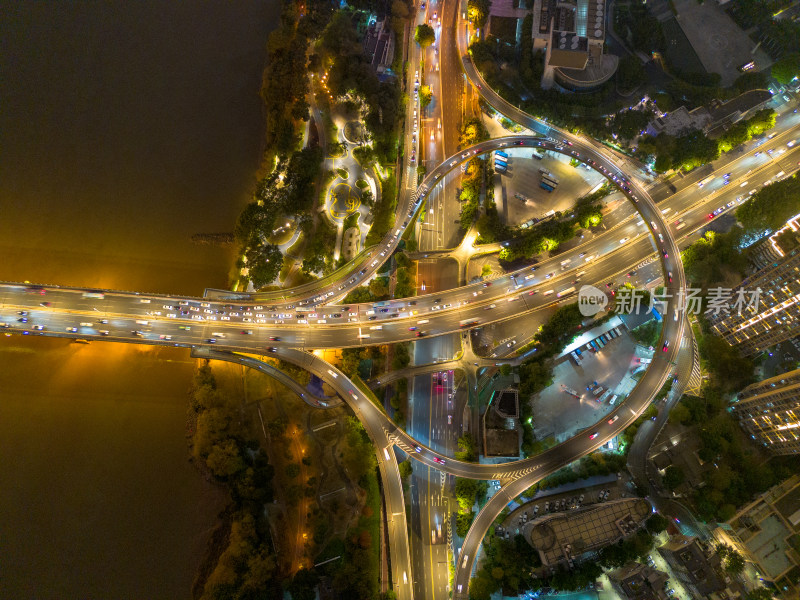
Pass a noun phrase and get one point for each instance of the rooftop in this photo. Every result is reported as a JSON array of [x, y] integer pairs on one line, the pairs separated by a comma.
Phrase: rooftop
[[562, 536]]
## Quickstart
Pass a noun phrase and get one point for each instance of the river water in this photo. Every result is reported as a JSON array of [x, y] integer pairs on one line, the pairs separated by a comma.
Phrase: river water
[[125, 127]]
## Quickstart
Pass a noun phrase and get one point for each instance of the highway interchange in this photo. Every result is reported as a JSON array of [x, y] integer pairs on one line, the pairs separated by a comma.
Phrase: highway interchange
[[286, 325]]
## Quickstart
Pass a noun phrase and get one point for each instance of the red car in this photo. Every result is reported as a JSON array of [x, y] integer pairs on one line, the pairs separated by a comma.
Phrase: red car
[[436, 459], [594, 435], [665, 346]]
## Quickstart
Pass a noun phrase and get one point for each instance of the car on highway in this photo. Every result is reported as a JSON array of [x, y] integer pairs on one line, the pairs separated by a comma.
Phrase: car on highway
[[39, 327], [23, 313], [613, 420], [669, 276], [664, 252], [594, 435], [23, 319], [438, 460], [211, 340], [665, 346]]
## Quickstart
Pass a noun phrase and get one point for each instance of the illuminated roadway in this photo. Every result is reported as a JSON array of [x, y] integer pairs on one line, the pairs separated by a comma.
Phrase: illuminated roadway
[[373, 418], [68, 308]]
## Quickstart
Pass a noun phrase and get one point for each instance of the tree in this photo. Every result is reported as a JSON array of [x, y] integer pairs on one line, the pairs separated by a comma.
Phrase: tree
[[630, 73], [673, 477], [425, 95], [264, 262], [467, 450], [424, 35], [680, 414], [401, 356], [787, 68], [303, 585], [771, 206], [292, 470], [399, 9], [715, 259], [378, 288], [478, 12], [505, 369], [761, 594], [224, 460], [734, 562], [728, 368], [656, 524], [473, 132], [406, 468]]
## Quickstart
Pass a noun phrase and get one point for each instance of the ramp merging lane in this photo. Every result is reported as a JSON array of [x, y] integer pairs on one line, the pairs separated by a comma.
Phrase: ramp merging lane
[[286, 324]]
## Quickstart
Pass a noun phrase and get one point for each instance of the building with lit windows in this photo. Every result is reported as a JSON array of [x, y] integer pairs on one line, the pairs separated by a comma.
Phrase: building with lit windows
[[754, 327], [770, 412]]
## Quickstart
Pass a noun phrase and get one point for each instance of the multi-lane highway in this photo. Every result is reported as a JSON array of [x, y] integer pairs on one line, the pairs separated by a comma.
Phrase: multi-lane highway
[[285, 323]]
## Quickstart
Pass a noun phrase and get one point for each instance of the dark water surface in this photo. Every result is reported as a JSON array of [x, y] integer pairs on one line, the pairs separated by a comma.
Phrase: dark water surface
[[125, 127]]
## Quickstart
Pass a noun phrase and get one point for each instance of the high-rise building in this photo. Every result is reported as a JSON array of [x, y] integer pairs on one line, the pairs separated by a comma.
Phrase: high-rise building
[[770, 412], [775, 317]]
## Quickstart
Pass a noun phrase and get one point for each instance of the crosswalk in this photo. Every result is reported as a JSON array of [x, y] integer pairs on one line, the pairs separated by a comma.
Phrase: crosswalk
[[694, 386]]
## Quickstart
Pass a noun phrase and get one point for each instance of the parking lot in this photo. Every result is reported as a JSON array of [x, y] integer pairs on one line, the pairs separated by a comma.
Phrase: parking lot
[[518, 195], [720, 44], [556, 410]]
